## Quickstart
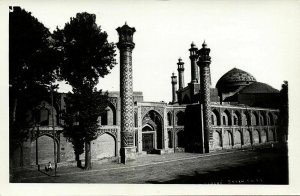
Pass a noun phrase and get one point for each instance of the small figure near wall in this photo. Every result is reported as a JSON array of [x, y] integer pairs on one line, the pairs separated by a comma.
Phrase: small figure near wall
[[48, 167]]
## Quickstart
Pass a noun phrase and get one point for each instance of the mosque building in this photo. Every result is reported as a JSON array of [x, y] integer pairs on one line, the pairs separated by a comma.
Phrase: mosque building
[[239, 112]]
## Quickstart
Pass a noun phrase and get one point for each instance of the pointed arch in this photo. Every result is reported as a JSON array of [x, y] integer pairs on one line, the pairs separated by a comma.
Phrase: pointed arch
[[226, 118], [42, 114], [109, 117], [254, 118], [104, 146], [270, 119], [263, 118], [246, 118], [148, 127], [215, 117], [42, 149], [237, 119]]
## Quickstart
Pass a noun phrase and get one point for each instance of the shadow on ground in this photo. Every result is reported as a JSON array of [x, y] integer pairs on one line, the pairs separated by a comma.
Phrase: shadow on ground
[[270, 170]]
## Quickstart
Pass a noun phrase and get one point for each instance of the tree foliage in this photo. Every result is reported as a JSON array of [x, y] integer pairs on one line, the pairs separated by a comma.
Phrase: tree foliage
[[87, 53], [87, 56], [31, 54], [31, 65]]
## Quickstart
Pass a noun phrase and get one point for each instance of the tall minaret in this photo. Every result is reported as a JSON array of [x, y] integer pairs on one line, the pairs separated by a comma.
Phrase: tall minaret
[[194, 68], [126, 46], [204, 63], [174, 88], [180, 73]]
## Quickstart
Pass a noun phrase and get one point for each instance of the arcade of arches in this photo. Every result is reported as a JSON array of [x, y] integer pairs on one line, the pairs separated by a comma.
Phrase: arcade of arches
[[160, 129]]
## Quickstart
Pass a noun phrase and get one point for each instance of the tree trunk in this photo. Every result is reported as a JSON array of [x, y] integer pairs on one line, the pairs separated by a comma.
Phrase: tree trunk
[[78, 160], [14, 110], [21, 155], [88, 162], [11, 147]]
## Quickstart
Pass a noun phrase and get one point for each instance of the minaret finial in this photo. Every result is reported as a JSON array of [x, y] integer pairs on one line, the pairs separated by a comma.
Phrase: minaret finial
[[204, 45], [193, 45], [125, 22]]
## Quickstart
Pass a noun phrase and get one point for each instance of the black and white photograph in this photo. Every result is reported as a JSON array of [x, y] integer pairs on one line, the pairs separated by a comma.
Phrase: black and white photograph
[[151, 94]]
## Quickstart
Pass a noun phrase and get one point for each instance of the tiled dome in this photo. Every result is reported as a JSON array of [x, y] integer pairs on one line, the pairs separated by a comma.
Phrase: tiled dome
[[235, 77], [259, 87]]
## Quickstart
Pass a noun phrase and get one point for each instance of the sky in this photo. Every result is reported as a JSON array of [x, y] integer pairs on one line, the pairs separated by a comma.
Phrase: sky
[[260, 37]]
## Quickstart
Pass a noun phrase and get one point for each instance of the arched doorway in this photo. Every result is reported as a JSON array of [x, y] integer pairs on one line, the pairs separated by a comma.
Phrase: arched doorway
[[271, 135], [217, 139], [264, 136], [247, 137], [256, 137], [152, 132], [104, 146], [237, 137], [42, 150], [228, 139], [148, 135], [237, 118]]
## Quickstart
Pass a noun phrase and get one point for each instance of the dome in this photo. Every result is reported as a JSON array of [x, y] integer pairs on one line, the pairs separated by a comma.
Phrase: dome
[[259, 87], [234, 78]]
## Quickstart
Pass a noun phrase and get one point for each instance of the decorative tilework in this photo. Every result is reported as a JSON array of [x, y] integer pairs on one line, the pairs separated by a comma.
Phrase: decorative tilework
[[204, 63], [126, 46], [146, 109], [113, 132]]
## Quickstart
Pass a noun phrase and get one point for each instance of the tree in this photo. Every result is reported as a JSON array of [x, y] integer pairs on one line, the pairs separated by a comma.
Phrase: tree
[[284, 113], [84, 106], [87, 56], [31, 66]]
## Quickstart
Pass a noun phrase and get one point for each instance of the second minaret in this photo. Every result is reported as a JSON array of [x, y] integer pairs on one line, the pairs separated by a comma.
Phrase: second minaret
[[204, 64]]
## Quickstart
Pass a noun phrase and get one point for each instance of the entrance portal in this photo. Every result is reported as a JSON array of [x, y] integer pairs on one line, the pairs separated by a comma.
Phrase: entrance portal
[[152, 132]]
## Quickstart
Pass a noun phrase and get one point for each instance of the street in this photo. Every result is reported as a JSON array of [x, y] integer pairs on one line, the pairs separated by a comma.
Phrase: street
[[258, 166]]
